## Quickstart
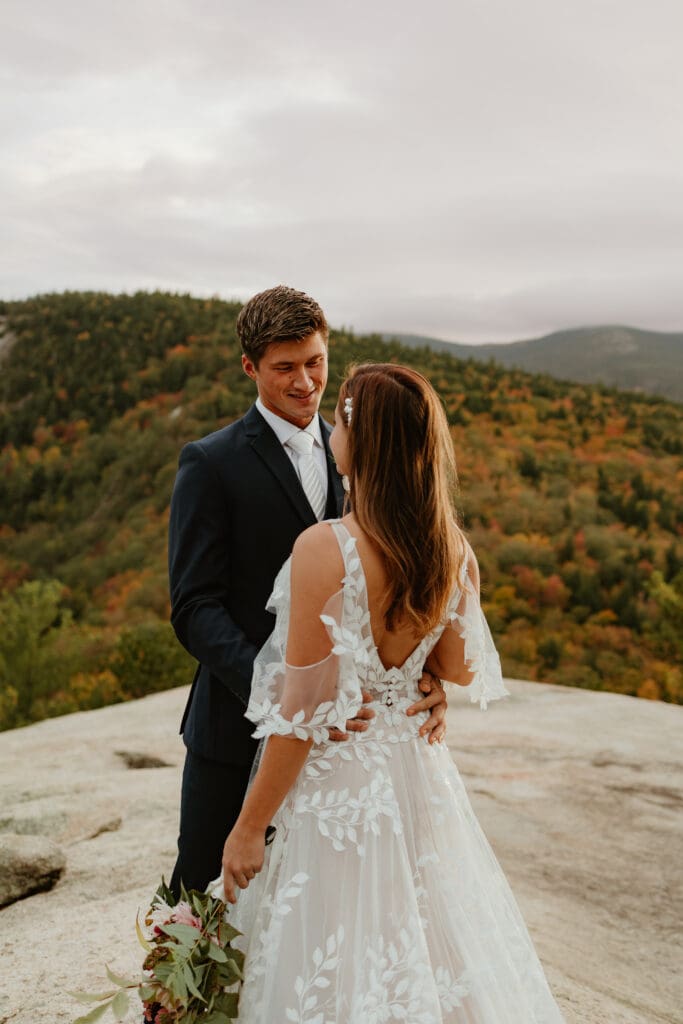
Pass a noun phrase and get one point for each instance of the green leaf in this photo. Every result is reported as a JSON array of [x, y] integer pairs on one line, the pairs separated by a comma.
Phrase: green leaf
[[92, 997], [176, 985], [215, 952], [144, 942], [238, 971], [185, 933], [227, 932], [226, 975], [162, 972], [237, 956], [189, 977], [94, 1014], [120, 1004], [164, 894], [118, 979], [227, 1002]]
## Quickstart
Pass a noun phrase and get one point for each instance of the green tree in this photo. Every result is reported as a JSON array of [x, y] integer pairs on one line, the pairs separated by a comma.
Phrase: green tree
[[33, 626], [148, 658], [667, 625]]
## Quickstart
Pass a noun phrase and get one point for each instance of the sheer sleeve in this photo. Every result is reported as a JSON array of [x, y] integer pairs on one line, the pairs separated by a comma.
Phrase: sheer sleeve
[[467, 619], [302, 702]]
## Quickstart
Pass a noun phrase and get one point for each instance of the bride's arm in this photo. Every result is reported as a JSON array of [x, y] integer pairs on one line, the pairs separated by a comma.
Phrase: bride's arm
[[447, 660], [244, 848], [316, 574], [466, 653]]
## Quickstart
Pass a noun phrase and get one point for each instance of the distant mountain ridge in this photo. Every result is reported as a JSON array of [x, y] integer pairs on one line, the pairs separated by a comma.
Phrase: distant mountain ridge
[[623, 357]]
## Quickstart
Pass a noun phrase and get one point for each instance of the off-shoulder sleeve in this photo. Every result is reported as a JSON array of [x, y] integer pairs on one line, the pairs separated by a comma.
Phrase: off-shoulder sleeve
[[481, 657], [302, 701]]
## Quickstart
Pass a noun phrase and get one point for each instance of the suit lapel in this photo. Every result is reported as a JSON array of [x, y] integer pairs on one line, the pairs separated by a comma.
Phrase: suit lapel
[[270, 451], [333, 477]]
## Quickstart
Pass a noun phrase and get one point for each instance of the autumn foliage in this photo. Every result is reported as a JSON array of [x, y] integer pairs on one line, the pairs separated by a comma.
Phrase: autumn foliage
[[571, 495]]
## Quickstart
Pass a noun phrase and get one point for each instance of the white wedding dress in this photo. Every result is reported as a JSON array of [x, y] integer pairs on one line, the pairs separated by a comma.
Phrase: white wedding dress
[[380, 898]]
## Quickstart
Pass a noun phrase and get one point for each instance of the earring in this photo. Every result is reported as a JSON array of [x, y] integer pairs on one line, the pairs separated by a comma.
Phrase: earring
[[346, 484]]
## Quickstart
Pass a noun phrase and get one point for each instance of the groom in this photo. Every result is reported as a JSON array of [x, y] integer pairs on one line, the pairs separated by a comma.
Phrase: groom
[[241, 498]]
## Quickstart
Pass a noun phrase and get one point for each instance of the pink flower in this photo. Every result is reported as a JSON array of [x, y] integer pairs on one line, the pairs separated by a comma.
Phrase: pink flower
[[182, 914]]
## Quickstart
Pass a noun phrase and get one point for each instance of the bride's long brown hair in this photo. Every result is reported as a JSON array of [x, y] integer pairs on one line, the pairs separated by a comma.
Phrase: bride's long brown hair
[[402, 481]]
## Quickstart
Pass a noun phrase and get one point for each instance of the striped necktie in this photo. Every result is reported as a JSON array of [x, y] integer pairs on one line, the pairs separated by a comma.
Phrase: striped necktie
[[302, 445]]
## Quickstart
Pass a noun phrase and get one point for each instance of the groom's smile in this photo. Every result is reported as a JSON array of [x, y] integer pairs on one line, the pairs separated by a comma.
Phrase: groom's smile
[[291, 377]]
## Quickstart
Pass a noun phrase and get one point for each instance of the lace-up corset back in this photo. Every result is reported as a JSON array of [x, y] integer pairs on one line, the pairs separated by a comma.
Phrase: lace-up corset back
[[388, 684]]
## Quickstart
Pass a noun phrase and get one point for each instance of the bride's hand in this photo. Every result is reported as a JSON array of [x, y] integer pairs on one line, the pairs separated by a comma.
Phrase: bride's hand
[[242, 859], [435, 702]]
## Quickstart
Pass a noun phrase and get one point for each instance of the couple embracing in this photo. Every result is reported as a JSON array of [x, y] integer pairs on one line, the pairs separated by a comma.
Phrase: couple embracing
[[360, 879]]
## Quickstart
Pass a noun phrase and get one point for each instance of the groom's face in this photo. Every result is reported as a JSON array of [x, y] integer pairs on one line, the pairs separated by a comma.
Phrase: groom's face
[[291, 377]]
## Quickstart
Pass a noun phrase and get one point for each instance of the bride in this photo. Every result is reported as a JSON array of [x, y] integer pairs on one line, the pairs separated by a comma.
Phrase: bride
[[379, 897]]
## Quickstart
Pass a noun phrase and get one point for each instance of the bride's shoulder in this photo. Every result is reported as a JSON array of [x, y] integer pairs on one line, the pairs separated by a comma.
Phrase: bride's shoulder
[[316, 540], [316, 557]]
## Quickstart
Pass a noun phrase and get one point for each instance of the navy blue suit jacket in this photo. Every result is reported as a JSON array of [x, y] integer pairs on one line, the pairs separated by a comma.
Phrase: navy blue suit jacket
[[237, 508]]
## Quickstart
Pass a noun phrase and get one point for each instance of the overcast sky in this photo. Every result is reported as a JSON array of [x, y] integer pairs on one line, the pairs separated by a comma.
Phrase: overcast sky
[[480, 170]]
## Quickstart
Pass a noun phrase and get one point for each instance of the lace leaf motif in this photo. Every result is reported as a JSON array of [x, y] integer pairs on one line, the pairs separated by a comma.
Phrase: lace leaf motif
[[481, 656]]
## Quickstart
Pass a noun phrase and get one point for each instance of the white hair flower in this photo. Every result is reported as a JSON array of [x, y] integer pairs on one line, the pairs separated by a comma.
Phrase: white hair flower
[[348, 409]]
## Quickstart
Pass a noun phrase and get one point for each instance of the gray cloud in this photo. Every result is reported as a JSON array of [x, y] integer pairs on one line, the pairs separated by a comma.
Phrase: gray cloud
[[480, 171]]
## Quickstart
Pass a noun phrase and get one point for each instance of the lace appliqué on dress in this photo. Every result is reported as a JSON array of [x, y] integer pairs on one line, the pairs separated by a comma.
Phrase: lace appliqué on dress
[[303, 702], [481, 657], [379, 897]]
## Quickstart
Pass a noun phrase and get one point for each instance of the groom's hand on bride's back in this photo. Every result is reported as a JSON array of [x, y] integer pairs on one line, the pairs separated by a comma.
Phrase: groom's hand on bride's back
[[358, 724], [434, 729]]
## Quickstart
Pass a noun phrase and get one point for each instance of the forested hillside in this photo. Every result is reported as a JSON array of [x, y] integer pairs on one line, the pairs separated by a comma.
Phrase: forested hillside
[[571, 495]]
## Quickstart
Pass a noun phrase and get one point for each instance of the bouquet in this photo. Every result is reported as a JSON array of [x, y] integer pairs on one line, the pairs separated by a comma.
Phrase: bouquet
[[188, 967]]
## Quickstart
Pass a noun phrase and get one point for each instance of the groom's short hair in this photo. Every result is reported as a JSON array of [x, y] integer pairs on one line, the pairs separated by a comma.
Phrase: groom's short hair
[[278, 314]]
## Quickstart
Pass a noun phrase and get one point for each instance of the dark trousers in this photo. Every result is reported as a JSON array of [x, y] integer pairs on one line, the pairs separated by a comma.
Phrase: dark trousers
[[210, 802]]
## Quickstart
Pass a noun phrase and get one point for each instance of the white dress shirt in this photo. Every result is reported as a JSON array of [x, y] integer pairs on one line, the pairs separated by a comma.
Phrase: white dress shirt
[[283, 431]]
